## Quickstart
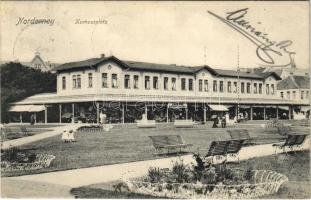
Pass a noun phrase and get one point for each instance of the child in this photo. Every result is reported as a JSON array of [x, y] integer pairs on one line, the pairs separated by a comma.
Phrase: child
[[65, 136], [71, 137]]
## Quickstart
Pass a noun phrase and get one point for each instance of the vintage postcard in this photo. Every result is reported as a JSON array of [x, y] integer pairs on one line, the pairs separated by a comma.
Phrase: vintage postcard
[[145, 99]]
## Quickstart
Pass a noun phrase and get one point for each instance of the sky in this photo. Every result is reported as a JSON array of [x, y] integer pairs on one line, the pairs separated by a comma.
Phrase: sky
[[181, 33]]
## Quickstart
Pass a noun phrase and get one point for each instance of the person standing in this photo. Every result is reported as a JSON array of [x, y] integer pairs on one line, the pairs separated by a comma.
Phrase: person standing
[[215, 122], [102, 117], [32, 119], [223, 122]]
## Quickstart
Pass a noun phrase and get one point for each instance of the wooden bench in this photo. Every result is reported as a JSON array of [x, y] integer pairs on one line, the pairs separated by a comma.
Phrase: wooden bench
[[292, 141], [284, 129], [168, 142], [146, 123], [182, 123], [225, 148], [237, 134], [90, 129], [24, 130]]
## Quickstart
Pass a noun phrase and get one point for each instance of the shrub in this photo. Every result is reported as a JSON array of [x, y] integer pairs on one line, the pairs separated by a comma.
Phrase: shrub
[[248, 174], [181, 172], [209, 176], [10, 155], [154, 174]]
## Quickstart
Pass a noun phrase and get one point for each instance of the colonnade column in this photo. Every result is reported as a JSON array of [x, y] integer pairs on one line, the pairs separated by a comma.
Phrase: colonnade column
[[204, 113], [264, 113], [289, 112], [123, 113], [277, 112], [73, 113], [60, 113], [187, 113], [20, 117], [251, 107], [45, 114], [167, 114], [97, 112]]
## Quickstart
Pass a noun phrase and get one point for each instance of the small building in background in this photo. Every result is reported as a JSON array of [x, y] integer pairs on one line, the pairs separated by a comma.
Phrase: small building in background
[[38, 63], [295, 88]]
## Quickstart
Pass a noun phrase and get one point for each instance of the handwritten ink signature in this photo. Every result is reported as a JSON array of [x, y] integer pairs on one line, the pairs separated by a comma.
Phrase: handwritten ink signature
[[268, 51]]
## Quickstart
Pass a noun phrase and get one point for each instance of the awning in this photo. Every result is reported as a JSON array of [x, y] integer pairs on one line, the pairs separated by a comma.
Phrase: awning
[[305, 108], [260, 106], [284, 107], [36, 108], [67, 115], [218, 107], [27, 108], [244, 107], [177, 105]]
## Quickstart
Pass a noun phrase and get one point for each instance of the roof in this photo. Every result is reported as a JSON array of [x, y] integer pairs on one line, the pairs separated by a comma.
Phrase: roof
[[155, 67], [294, 82], [54, 98]]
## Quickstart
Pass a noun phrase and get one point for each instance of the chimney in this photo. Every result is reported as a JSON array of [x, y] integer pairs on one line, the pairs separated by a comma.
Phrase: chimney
[[102, 55]]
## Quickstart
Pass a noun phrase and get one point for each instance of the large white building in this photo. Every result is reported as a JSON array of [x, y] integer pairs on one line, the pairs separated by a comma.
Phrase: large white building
[[124, 90]]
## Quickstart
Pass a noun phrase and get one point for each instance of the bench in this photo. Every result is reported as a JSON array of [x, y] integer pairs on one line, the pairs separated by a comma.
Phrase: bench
[[90, 128], [24, 130], [292, 140], [168, 142], [225, 148], [146, 123], [237, 134], [182, 123], [284, 129]]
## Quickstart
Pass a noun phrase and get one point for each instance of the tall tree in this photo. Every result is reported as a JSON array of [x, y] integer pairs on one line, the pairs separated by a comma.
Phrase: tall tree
[[19, 82]]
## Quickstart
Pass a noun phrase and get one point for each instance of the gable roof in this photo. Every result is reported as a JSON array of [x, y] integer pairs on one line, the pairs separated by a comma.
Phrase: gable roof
[[154, 67], [294, 82]]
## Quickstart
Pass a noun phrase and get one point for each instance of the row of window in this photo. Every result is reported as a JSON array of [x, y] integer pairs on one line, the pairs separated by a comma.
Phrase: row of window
[[203, 84], [303, 95]]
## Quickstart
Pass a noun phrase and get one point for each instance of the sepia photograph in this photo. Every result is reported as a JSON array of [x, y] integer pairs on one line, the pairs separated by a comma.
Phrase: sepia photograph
[[146, 99]]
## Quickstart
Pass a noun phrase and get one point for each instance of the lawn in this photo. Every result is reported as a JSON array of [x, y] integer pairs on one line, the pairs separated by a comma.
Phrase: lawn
[[295, 166], [127, 144]]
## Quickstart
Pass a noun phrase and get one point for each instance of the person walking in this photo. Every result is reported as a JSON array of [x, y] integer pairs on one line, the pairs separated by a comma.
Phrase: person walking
[[223, 122]]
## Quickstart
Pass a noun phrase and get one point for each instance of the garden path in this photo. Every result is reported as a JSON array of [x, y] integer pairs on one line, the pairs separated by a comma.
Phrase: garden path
[[29, 139]]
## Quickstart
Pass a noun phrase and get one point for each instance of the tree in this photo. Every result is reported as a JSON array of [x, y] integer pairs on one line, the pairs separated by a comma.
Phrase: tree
[[19, 82]]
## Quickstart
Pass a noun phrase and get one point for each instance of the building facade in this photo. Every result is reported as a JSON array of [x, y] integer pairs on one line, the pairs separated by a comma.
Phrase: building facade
[[296, 88], [124, 90]]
